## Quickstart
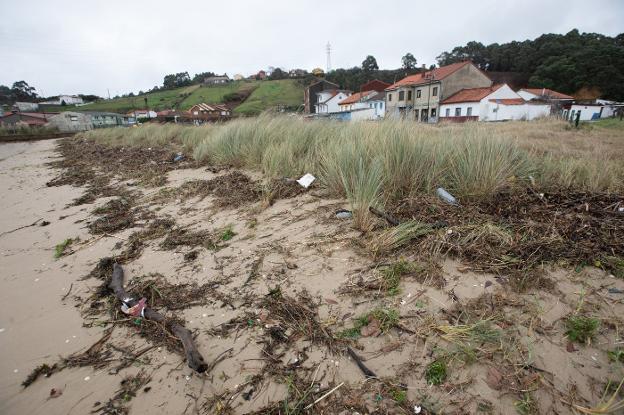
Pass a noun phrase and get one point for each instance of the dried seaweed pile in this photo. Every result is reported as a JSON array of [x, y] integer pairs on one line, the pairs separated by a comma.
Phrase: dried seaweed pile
[[162, 294], [233, 189], [130, 386], [518, 231], [116, 215], [297, 317], [183, 237]]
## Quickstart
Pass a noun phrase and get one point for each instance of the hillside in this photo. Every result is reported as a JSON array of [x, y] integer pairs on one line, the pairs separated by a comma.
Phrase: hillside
[[264, 95], [215, 94], [270, 94], [156, 100]]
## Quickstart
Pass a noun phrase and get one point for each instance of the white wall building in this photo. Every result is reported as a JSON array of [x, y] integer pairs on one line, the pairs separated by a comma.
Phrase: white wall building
[[327, 101], [495, 103], [588, 112]]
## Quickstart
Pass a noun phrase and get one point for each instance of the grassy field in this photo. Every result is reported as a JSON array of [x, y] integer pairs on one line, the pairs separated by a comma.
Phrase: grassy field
[[157, 100], [214, 94], [270, 94]]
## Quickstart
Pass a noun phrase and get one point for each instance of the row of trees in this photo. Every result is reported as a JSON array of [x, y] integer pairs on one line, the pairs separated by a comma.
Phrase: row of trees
[[354, 77], [566, 63]]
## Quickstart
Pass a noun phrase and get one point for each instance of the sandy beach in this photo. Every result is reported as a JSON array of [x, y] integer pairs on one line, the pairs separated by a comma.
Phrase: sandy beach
[[297, 246]]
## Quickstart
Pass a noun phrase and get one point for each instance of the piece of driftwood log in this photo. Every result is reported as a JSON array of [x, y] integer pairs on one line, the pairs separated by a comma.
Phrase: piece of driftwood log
[[194, 359], [358, 360], [391, 219]]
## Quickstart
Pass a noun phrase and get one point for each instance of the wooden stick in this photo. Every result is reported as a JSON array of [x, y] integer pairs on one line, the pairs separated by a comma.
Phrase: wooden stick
[[194, 359], [391, 219], [324, 396]]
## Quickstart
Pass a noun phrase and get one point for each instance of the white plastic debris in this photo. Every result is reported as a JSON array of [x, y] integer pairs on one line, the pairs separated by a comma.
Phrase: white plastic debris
[[446, 196], [344, 214], [417, 409], [2, 329], [87, 378], [306, 180]]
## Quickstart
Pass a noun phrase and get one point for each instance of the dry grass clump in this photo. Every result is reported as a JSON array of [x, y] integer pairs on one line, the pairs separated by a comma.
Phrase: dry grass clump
[[394, 238]]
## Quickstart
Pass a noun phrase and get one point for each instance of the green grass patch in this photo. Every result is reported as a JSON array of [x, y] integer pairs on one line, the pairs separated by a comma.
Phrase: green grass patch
[[217, 94], [616, 355], [227, 234], [581, 329], [59, 250], [271, 94], [392, 276], [387, 317], [436, 372], [398, 395]]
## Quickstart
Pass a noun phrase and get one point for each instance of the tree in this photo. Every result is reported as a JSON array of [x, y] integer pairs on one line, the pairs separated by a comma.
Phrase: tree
[[199, 77], [278, 74], [409, 62], [21, 91], [176, 80], [370, 64]]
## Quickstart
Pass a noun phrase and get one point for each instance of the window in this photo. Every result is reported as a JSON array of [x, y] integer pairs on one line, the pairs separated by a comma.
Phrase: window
[[448, 112], [416, 115], [381, 105], [458, 112], [389, 97], [401, 95], [469, 111], [418, 92], [409, 95], [435, 91], [434, 112]]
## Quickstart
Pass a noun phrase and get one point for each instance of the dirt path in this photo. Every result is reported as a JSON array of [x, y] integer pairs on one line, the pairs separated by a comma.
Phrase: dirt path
[[277, 291]]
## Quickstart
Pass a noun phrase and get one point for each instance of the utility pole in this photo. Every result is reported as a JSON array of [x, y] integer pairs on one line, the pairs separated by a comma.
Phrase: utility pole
[[328, 49], [108, 90]]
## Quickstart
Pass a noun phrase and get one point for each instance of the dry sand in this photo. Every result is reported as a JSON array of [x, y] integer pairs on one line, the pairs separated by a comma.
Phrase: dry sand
[[295, 244]]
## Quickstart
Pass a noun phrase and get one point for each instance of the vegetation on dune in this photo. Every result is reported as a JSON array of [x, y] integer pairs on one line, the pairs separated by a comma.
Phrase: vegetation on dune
[[378, 163]]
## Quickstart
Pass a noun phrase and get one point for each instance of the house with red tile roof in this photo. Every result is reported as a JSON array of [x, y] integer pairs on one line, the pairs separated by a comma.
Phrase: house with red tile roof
[[418, 96], [543, 94], [493, 103]]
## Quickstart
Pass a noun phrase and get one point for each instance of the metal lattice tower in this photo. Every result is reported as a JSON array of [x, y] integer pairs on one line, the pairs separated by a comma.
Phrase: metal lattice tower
[[328, 49]]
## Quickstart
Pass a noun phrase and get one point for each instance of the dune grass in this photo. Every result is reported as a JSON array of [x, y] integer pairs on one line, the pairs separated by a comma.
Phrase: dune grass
[[376, 163]]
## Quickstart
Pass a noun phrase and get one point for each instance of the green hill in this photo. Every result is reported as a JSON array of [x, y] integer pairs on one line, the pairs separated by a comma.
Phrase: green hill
[[271, 94], [156, 100], [264, 95]]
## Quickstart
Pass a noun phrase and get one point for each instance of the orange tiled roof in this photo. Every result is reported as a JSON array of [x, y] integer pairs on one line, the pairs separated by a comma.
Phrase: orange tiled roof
[[352, 99], [509, 101], [435, 74], [471, 94], [545, 92]]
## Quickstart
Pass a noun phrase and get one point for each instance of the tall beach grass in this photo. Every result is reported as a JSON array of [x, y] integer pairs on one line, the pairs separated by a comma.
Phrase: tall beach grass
[[373, 163]]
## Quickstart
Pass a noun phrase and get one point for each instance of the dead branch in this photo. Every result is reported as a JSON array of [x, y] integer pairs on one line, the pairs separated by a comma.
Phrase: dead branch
[[194, 359], [358, 360], [391, 219]]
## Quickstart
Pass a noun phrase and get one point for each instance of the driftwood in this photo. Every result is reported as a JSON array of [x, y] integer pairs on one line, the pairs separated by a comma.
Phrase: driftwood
[[358, 360], [193, 357], [391, 219]]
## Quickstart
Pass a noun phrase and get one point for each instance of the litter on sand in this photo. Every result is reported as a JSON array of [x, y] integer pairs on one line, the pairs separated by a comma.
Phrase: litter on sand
[[306, 180], [343, 214]]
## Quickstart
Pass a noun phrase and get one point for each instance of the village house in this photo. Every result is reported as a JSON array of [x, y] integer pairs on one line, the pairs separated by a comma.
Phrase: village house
[[309, 94], [67, 99], [494, 103], [107, 119], [26, 106], [368, 105], [69, 121], [585, 111], [328, 101], [238, 77], [139, 114], [375, 85], [297, 73], [216, 80], [209, 112], [27, 119], [418, 96]]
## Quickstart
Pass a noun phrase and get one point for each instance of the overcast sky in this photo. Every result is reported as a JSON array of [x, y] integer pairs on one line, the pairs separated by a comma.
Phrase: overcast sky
[[88, 46]]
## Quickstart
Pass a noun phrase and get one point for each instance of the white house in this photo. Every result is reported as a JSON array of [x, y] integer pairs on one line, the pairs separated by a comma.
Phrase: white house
[[67, 99], [495, 103], [588, 112], [355, 101], [327, 101], [544, 94]]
